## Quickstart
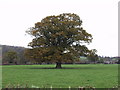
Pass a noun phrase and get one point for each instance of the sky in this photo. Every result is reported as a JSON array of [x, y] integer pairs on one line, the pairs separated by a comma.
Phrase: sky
[[100, 18]]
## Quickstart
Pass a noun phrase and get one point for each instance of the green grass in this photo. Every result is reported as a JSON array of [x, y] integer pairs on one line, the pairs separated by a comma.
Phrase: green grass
[[99, 76]]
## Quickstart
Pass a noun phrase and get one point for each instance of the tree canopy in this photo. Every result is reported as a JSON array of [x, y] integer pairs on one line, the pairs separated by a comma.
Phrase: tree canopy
[[93, 57], [58, 39], [11, 56]]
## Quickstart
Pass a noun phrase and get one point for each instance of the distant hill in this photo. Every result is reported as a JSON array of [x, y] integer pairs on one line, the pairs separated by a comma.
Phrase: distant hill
[[6, 48], [18, 49]]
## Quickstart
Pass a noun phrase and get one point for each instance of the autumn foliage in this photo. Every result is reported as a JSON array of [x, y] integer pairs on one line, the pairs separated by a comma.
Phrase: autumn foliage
[[58, 39]]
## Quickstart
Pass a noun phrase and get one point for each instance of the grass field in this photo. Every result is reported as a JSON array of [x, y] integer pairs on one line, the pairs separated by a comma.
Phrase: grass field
[[95, 75]]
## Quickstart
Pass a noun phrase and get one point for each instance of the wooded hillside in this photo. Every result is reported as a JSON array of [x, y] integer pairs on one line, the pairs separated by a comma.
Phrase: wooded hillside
[[18, 50]]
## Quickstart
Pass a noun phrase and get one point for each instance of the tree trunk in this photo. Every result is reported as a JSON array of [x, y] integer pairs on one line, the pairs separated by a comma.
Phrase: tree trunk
[[58, 65]]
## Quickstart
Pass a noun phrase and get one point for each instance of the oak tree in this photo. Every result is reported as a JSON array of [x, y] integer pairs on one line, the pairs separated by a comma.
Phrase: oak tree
[[58, 39]]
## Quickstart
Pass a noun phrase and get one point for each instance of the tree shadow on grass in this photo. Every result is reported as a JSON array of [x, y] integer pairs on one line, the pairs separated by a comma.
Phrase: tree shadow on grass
[[63, 68]]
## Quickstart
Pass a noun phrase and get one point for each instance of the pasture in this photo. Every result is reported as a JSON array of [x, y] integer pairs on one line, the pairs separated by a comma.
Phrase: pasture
[[82, 75]]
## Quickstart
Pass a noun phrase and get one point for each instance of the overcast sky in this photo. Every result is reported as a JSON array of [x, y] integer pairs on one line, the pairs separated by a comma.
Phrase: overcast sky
[[100, 18]]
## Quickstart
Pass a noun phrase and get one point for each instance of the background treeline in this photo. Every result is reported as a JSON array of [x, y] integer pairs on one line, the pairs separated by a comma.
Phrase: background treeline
[[15, 55]]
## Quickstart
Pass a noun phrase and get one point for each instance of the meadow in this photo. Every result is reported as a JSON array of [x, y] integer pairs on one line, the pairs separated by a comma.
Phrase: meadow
[[82, 75]]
